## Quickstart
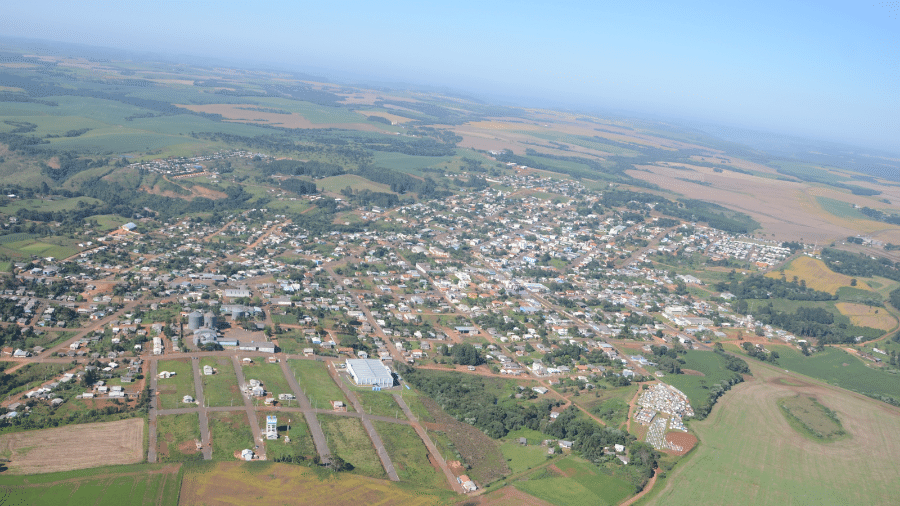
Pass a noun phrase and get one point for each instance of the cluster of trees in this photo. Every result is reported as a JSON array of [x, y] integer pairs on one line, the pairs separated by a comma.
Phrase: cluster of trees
[[859, 265], [761, 287], [667, 359], [472, 400], [312, 168], [463, 354], [759, 354], [299, 186]]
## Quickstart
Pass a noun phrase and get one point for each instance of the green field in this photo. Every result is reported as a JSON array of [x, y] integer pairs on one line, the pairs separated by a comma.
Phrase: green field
[[141, 484], [697, 387], [409, 455], [271, 376], [176, 438], [220, 389], [379, 403], [409, 163], [230, 433], [317, 384], [841, 209], [338, 183], [811, 418], [348, 439], [521, 458], [172, 390], [579, 483], [750, 455], [301, 443]]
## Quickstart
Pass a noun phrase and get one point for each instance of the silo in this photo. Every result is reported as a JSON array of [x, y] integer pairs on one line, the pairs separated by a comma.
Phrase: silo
[[210, 320], [237, 313], [195, 320]]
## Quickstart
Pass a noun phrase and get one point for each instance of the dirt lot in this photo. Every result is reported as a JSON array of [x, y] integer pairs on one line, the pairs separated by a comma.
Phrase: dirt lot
[[682, 439], [74, 447]]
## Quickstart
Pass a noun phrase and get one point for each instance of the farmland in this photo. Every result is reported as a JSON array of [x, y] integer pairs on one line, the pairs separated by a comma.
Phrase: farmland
[[74, 447], [747, 442], [816, 275], [273, 484], [574, 481], [696, 387], [811, 418], [867, 316], [140, 485]]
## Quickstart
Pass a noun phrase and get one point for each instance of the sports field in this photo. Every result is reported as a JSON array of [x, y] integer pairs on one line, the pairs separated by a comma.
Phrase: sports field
[[751, 455]]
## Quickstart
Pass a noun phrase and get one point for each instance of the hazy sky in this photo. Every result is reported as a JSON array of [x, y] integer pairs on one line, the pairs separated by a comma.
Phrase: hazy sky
[[822, 69]]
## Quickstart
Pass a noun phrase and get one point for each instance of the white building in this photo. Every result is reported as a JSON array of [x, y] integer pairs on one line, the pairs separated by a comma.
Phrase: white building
[[370, 372]]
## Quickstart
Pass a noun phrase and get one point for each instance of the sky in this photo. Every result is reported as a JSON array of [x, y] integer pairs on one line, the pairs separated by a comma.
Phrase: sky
[[823, 69]]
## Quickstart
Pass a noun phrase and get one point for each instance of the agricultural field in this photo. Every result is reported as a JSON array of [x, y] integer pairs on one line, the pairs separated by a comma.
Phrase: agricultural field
[[816, 274], [410, 456], [269, 483], [575, 481], [867, 316], [747, 442], [338, 183], [177, 437], [317, 384], [220, 389], [809, 417], [272, 377], [711, 369], [230, 432], [139, 485], [348, 439], [74, 447], [172, 390]]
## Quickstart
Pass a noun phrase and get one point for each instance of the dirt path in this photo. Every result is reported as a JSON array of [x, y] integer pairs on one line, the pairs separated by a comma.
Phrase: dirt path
[[647, 488]]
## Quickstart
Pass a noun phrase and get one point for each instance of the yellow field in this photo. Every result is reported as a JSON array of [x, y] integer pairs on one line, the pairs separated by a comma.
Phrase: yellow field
[[817, 275], [867, 316], [263, 483]]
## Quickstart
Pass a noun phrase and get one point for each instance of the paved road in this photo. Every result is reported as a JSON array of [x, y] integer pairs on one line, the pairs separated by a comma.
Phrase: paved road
[[201, 413], [451, 478], [151, 447], [248, 406], [370, 429], [315, 428]]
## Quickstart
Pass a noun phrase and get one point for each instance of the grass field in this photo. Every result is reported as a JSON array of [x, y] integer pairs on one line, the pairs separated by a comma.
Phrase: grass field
[[317, 384], [816, 274], [521, 458], [172, 390], [409, 455], [379, 403], [575, 481], [220, 389], [176, 438], [301, 442], [74, 447], [697, 387], [139, 485], [271, 376], [338, 183], [230, 433], [271, 484], [750, 455], [867, 316], [409, 163], [348, 439], [841, 209], [811, 418]]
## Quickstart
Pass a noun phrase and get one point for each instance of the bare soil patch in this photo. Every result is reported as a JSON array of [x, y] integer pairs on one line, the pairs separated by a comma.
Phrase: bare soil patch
[[74, 447], [506, 496], [682, 439]]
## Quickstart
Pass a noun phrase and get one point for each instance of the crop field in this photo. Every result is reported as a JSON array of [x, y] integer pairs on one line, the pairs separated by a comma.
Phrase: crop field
[[230, 433], [379, 403], [409, 455], [751, 455], [220, 389], [810, 417], [177, 436], [74, 447], [272, 377], [867, 316], [816, 274], [338, 183], [139, 485], [409, 163], [348, 439], [575, 481], [294, 426], [317, 384], [172, 390], [696, 387], [841, 209], [272, 484]]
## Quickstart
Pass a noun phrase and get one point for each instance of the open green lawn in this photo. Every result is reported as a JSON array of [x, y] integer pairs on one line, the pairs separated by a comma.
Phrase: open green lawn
[[140, 485], [220, 389], [521, 458], [710, 364], [579, 483], [750, 455], [317, 384], [176, 438], [230, 433], [271, 376], [338, 183], [172, 390], [348, 439], [379, 403], [409, 455]]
